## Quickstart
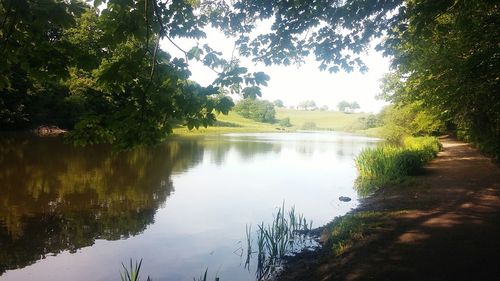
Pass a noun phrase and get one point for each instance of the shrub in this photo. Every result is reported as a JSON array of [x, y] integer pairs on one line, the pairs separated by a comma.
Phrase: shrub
[[285, 122]]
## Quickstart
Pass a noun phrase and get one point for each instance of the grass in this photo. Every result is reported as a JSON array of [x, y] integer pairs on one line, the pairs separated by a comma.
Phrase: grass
[[388, 163], [372, 132], [299, 119], [231, 123], [324, 120], [345, 231]]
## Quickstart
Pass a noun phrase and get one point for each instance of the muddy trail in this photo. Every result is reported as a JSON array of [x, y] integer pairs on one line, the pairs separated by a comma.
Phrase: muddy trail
[[444, 225]]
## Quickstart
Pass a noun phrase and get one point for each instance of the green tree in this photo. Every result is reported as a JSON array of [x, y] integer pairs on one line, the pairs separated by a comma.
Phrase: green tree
[[278, 103], [343, 106], [103, 75], [354, 105], [255, 109], [445, 55], [409, 120], [307, 105], [35, 56], [446, 58]]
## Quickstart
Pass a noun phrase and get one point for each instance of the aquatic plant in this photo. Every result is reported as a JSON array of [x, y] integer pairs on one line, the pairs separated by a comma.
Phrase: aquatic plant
[[285, 234], [132, 273], [204, 277]]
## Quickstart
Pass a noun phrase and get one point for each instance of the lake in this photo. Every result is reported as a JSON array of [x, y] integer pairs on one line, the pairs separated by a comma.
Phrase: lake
[[71, 213]]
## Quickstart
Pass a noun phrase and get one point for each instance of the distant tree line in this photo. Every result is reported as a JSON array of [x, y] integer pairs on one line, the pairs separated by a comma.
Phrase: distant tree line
[[347, 107]]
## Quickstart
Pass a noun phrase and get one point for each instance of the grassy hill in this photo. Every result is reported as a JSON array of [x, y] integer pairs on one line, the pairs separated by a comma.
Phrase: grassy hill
[[300, 119], [324, 120]]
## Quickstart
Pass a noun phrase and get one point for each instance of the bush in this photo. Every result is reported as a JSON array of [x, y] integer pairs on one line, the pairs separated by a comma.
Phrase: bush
[[285, 122]]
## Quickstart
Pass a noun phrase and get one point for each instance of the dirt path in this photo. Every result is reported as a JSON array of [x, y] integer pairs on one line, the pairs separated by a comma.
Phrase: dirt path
[[449, 230]]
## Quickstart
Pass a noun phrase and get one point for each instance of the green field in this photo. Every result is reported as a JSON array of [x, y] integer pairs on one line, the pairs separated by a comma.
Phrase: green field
[[323, 120]]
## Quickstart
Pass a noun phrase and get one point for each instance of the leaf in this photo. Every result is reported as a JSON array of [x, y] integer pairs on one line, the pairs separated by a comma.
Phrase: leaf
[[195, 53]]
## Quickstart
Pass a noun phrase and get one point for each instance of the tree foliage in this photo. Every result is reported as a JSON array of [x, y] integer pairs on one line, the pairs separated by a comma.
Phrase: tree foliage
[[255, 109], [103, 73], [446, 58], [409, 120], [346, 107], [307, 105], [278, 103]]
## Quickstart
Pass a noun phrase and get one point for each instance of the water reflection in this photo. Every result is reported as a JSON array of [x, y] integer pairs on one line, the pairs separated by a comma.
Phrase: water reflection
[[55, 197]]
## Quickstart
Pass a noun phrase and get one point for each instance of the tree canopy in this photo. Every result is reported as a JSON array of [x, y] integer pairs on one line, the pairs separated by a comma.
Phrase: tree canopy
[[102, 73], [346, 107], [256, 109], [307, 105]]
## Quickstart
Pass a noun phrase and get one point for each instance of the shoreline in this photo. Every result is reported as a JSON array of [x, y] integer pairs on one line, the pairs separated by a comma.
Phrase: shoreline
[[424, 228]]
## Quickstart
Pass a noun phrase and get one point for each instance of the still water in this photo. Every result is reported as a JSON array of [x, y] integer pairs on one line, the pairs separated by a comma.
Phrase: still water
[[77, 213]]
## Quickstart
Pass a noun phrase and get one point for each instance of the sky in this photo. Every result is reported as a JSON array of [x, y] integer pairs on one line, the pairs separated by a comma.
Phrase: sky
[[293, 84]]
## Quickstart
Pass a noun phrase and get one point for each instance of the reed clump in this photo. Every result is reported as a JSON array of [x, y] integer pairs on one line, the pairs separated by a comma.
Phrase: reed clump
[[286, 234], [388, 163]]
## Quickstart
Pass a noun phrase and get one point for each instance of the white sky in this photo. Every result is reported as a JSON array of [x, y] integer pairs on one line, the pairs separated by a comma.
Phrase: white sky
[[293, 84]]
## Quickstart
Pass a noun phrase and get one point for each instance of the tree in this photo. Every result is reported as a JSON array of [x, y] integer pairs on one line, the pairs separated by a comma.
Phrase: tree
[[324, 108], [255, 109], [445, 55], [307, 105], [343, 106], [409, 120], [353, 106], [347, 107], [446, 59], [103, 75], [278, 103]]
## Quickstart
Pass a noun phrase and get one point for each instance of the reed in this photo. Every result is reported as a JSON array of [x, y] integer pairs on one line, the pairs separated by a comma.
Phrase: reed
[[204, 277], [386, 163], [132, 273], [284, 235]]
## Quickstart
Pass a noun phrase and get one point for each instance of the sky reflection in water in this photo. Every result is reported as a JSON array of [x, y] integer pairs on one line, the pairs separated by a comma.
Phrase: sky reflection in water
[[76, 213]]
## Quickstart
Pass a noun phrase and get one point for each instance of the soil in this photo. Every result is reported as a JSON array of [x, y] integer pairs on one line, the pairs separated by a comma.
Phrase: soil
[[449, 229]]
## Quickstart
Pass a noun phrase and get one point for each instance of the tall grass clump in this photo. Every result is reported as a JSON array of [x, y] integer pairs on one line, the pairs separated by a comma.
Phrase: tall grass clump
[[427, 147], [286, 234], [387, 163]]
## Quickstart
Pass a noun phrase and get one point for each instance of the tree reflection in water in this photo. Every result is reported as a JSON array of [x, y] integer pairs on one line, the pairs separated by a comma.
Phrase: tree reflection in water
[[56, 197]]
